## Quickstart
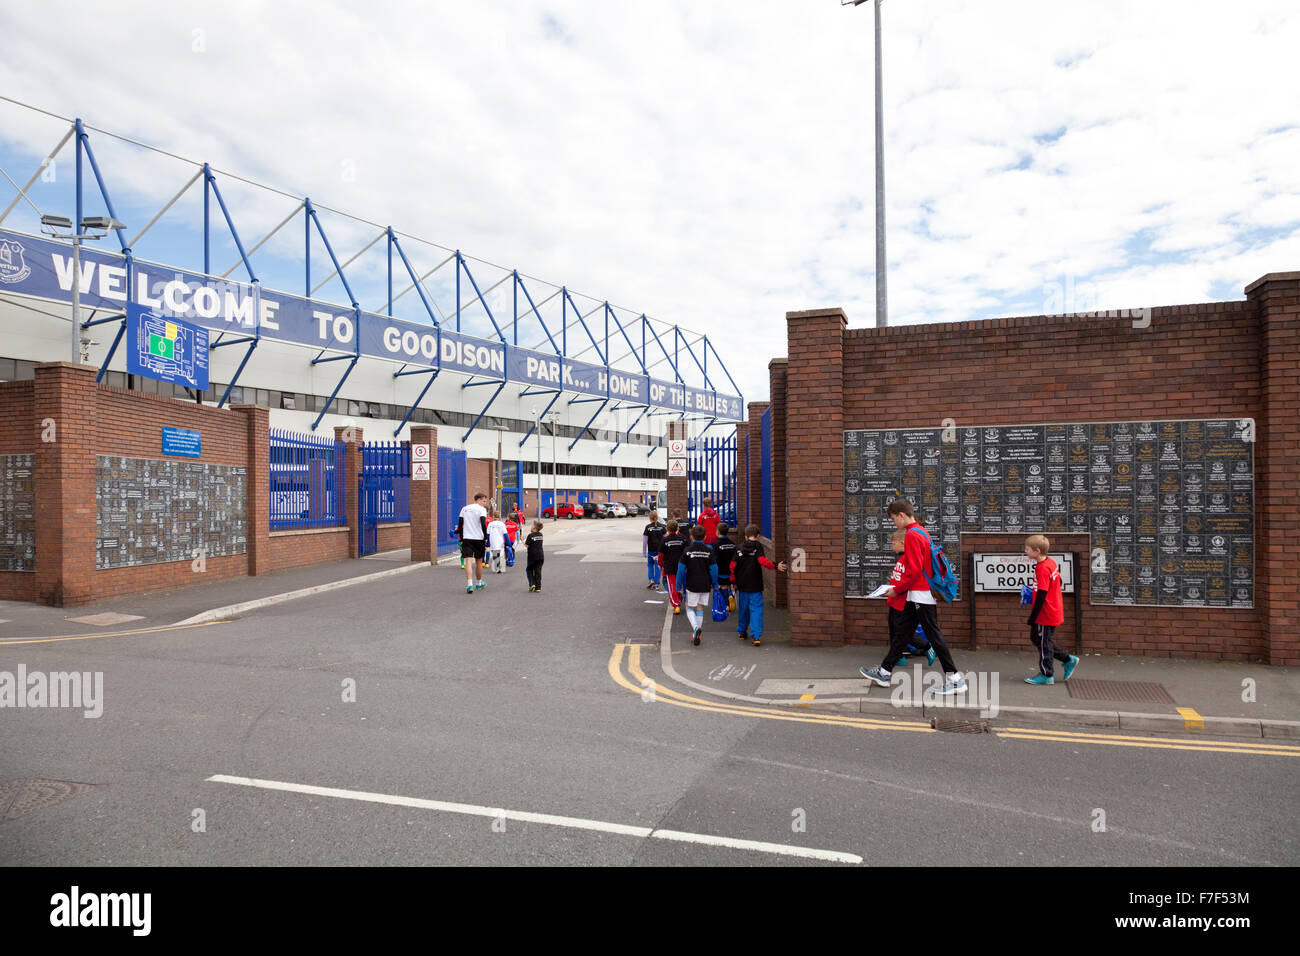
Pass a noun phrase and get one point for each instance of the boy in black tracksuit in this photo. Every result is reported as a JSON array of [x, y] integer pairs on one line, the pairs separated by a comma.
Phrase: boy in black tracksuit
[[535, 558], [724, 552], [670, 553], [652, 539], [697, 576], [747, 573]]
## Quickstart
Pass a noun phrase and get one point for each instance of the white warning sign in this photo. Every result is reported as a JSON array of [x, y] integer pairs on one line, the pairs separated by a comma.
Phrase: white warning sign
[[420, 470], [676, 467]]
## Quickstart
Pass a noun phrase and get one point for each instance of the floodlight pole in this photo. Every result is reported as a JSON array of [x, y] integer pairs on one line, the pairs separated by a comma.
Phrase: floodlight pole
[[882, 298], [538, 413], [555, 471]]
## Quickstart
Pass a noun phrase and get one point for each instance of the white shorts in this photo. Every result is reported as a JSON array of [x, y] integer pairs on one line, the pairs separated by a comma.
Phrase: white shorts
[[697, 598]]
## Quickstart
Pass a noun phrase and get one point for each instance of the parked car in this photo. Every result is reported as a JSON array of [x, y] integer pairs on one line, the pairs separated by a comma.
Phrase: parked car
[[603, 510], [635, 508], [617, 509], [588, 509], [565, 509]]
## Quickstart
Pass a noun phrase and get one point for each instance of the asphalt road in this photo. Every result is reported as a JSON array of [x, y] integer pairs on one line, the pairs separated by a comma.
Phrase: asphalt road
[[504, 701]]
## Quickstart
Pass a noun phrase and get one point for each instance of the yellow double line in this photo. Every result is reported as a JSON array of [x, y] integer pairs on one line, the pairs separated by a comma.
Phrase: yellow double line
[[655, 691], [1152, 743], [96, 637]]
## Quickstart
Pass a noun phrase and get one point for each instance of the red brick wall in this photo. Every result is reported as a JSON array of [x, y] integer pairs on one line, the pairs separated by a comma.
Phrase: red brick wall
[[753, 500], [777, 372], [814, 413], [1277, 491], [422, 535], [19, 430], [1213, 360], [742, 476], [394, 535], [677, 487], [296, 549], [92, 420], [478, 477], [130, 424]]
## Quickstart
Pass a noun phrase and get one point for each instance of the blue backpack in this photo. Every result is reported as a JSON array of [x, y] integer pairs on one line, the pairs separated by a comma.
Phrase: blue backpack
[[719, 605], [941, 577]]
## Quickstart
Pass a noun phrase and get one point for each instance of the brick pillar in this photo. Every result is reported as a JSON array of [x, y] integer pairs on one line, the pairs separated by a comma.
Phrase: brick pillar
[[259, 487], [778, 370], [755, 504], [742, 477], [676, 486], [814, 408], [1277, 461], [66, 481], [352, 437], [424, 499]]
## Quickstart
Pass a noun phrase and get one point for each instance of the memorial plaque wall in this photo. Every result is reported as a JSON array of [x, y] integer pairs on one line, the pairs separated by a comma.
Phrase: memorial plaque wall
[[153, 511], [17, 512], [1169, 505]]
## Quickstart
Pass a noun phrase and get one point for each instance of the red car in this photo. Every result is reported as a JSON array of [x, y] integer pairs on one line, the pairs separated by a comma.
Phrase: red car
[[567, 509]]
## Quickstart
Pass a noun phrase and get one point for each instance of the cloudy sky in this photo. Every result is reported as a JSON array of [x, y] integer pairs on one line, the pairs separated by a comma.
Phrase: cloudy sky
[[710, 163]]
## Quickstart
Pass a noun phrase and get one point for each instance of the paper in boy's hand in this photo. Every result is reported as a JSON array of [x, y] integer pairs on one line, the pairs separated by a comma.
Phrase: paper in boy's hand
[[879, 592]]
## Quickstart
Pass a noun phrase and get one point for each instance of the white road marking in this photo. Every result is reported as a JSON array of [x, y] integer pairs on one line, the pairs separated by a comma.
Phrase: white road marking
[[524, 816], [779, 848]]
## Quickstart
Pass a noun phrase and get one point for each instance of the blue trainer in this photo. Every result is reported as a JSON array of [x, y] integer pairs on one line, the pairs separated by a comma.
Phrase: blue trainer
[[1070, 665], [1040, 679]]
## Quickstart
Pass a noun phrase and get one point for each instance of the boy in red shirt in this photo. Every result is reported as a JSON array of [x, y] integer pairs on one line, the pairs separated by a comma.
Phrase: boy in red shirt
[[1046, 613], [920, 605], [898, 606], [709, 521]]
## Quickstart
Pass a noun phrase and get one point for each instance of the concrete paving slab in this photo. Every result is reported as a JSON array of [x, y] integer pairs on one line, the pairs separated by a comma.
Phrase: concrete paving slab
[[106, 619]]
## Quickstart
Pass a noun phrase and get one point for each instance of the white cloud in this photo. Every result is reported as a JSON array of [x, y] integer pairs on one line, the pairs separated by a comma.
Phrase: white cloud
[[711, 164]]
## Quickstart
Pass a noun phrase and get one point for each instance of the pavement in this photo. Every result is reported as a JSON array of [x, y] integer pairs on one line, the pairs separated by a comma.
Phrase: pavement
[[1166, 694], [401, 721], [1190, 696]]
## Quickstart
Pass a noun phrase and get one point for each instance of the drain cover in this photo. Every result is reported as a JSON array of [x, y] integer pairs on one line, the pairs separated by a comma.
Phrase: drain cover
[[954, 726], [26, 796], [1130, 691]]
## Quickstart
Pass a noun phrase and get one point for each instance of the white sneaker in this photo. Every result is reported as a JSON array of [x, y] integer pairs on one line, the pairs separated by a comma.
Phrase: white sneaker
[[955, 684]]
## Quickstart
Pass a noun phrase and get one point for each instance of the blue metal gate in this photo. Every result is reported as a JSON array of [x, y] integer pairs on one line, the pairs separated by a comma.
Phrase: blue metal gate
[[452, 467], [711, 473], [383, 489], [368, 505], [766, 464]]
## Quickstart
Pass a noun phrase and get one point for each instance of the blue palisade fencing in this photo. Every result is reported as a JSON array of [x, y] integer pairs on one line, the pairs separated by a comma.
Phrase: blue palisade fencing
[[306, 481]]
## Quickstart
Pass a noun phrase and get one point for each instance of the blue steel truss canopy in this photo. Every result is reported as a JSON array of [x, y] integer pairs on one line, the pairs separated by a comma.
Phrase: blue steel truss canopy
[[428, 342]]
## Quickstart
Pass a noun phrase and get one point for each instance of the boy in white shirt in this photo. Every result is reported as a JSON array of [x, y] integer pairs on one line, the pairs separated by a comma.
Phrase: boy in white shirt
[[472, 528], [496, 542]]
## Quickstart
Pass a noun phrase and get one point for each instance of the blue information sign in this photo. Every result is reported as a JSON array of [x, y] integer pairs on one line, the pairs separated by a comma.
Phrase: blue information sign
[[182, 442], [165, 348]]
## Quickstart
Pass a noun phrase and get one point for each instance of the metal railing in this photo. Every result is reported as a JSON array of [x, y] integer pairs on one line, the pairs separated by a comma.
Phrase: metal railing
[[306, 481], [386, 471]]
